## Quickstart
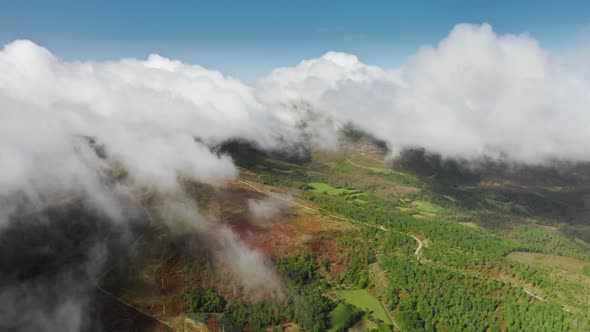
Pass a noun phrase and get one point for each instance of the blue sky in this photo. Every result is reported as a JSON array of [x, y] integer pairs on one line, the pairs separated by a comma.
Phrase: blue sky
[[248, 39]]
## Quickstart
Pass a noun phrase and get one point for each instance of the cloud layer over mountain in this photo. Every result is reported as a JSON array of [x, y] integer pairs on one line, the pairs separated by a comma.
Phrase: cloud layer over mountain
[[63, 125], [475, 94]]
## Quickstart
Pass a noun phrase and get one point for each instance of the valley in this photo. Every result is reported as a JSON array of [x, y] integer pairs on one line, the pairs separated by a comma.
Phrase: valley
[[357, 243]]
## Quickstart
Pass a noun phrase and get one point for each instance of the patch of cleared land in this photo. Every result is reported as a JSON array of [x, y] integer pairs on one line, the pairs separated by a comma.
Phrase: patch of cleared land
[[321, 187], [366, 301], [418, 207], [550, 261], [350, 194], [379, 170], [429, 207], [470, 224]]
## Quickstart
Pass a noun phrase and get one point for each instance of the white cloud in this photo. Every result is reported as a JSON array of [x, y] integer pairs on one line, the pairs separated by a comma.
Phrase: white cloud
[[249, 268], [475, 94], [267, 208], [147, 115]]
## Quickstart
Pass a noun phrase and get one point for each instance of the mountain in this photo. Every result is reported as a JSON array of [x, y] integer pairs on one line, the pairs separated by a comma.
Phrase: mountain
[[322, 241]]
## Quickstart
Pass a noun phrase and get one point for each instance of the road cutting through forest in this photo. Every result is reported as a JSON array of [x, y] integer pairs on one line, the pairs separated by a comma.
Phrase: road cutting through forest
[[382, 228]]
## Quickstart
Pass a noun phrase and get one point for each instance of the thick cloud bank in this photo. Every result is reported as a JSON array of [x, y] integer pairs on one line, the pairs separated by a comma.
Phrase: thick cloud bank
[[474, 95], [146, 115], [100, 131]]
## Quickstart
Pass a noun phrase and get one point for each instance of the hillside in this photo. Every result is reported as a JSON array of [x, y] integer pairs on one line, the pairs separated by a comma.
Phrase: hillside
[[358, 244]]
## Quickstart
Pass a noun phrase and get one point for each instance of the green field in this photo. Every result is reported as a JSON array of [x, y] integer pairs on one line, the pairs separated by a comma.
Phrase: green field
[[385, 171], [424, 208], [343, 316], [351, 194], [362, 326], [321, 187], [429, 208], [359, 201], [366, 301]]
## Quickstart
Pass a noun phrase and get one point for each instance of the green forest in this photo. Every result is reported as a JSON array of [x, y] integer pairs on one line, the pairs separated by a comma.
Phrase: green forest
[[464, 280], [421, 256]]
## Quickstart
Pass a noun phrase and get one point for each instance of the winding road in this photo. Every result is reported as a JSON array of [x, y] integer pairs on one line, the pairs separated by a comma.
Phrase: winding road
[[417, 252], [379, 227], [382, 228]]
